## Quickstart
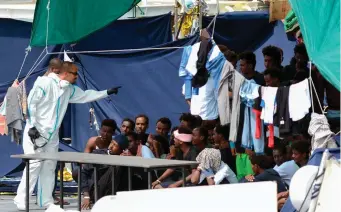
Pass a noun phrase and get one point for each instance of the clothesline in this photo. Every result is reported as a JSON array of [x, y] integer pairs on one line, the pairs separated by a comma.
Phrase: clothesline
[[118, 50]]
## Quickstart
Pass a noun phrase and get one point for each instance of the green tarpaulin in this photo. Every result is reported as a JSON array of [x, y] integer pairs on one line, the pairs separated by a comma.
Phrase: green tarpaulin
[[71, 20], [319, 22]]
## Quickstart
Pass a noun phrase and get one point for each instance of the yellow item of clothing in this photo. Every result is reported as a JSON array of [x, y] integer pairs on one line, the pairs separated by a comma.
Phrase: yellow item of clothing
[[67, 176]]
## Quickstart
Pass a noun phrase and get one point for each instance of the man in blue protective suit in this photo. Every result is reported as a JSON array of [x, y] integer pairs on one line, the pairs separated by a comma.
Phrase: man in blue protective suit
[[47, 104]]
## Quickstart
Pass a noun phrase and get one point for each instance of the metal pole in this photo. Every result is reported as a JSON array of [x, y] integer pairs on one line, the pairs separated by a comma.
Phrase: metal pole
[[176, 19], [200, 14], [27, 201], [96, 182], [79, 187], [113, 180], [183, 176], [149, 179], [129, 179], [61, 203]]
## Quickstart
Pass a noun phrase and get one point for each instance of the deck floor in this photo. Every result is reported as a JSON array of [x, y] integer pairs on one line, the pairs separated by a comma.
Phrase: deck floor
[[7, 205]]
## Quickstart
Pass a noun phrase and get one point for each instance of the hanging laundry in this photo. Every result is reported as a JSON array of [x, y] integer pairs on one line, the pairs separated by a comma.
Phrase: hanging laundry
[[3, 125], [299, 100], [249, 92], [224, 108], [14, 115], [201, 77], [282, 116], [23, 97], [204, 102], [269, 108], [268, 104], [238, 80], [322, 136]]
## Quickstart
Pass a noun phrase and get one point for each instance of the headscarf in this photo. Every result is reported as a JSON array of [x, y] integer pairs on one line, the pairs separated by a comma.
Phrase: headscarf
[[183, 137], [209, 158]]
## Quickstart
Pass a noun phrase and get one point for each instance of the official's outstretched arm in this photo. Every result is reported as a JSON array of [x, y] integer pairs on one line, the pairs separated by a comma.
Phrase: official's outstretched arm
[[80, 96]]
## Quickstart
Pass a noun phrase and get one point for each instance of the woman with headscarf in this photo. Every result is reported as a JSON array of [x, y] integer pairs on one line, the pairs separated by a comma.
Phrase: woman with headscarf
[[212, 169]]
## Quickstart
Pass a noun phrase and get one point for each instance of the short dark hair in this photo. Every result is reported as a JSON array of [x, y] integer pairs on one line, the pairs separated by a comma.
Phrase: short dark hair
[[273, 72], [301, 147], [281, 148], [55, 63], [132, 134], [273, 52], [188, 118], [203, 132], [249, 57], [165, 120], [184, 130], [262, 161], [109, 123], [143, 116], [130, 121], [223, 130], [301, 49]]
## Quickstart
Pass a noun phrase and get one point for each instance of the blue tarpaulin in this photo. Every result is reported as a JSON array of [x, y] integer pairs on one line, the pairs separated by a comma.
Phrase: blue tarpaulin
[[251, 31], [14, 38], [149, 79]]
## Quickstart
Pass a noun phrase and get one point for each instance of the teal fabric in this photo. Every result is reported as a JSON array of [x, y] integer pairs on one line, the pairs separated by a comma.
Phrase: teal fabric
[[69, 21], [320, 26]]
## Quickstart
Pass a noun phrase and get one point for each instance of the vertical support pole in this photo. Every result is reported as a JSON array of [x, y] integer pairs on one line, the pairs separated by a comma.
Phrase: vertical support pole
[[200, 14], [79, 190], [27, 199], [176, 19], [96, 182], [61, 183]]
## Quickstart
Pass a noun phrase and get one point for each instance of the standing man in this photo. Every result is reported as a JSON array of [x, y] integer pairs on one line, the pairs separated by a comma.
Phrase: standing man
[[48, 101], [55, 65], [247, 67], [127, 126]]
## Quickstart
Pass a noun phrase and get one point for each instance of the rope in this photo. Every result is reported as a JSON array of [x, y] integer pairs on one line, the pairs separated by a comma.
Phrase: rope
[[47, 22], [35, 66], [311, 90], [312, 87], [118, 50], [28, 49]]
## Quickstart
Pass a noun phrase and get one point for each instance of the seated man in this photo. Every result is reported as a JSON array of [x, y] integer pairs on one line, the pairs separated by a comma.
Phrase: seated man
[[116, 147], [183, 139], [261, 167], [107, 130], [285, 167], [135, 148], [127, 126], [103, 141]]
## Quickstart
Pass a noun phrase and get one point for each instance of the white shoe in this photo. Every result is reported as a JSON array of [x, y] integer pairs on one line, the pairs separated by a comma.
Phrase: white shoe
[[21, 208]]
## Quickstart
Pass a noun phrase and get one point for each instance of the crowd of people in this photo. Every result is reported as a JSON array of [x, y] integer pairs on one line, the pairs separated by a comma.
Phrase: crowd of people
[[195, 138], [207, 142]]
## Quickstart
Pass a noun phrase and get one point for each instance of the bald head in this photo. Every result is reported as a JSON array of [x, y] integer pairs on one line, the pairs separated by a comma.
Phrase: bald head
[[67, 67], [55, 63]]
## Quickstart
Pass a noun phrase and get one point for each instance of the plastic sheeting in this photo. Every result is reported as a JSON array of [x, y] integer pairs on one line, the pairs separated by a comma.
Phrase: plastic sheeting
[[321, 34]]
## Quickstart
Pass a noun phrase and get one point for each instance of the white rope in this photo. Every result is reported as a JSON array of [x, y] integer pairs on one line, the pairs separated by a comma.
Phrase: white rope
[[311, 90], [118, 50], [28, 49], [47, 23], [34, 67]]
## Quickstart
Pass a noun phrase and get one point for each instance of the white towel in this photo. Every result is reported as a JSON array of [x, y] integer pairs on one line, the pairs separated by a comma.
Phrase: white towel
[[269, 100], [299, 100]]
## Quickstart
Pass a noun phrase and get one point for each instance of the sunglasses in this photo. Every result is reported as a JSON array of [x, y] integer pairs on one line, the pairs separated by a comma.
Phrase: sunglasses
[[74, 73]]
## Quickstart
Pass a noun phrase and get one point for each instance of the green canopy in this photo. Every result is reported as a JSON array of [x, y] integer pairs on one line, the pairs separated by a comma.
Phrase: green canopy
[[319, 22], [71, 20]]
